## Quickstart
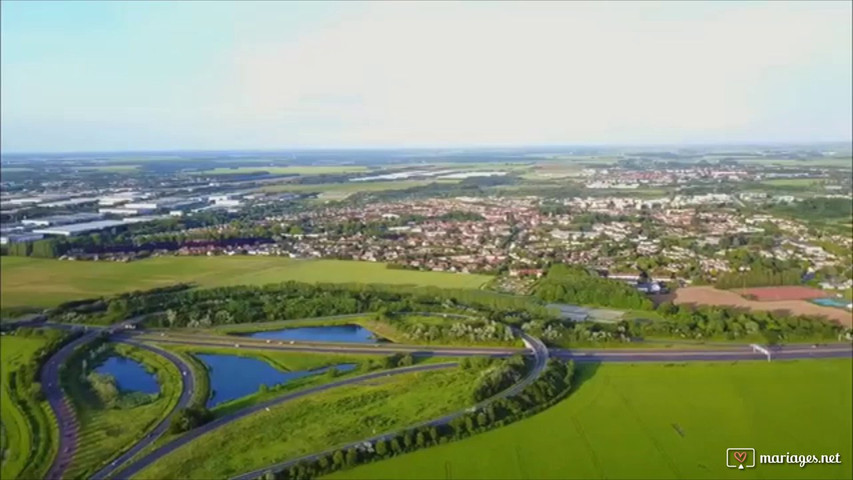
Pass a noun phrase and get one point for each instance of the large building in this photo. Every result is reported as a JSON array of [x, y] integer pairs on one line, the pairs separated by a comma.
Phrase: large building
[[80, 228], [61, 219]]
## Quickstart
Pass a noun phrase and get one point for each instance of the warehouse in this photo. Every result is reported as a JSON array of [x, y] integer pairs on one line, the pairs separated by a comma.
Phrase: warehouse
[[80, 228]]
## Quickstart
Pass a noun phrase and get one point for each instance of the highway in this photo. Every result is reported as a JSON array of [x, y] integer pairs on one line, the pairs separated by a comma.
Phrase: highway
[[150, 458], [68, 428], [61, 406], [188, 387], [540, 355]]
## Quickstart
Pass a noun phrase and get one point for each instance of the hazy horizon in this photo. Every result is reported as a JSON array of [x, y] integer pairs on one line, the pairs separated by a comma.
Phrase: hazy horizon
[[109, 77]]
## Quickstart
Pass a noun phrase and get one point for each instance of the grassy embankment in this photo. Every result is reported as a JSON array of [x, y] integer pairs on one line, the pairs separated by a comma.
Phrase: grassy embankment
[[660, 421], [29, 432], [46, 283], [316, 423], [107, 430], [383, 329]]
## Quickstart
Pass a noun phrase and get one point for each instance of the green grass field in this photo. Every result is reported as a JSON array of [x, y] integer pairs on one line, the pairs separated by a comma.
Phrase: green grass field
[[297, 170], [837, 162], [791, 182], [40, 282], [337, 191], [28, 431], [106, 432], [660, 421], [316, 423]]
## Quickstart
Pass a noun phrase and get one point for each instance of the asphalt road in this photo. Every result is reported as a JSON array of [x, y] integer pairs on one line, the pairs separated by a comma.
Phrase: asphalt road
[[68, 428], [61, 406], [540, 355], [188, 387], [147, 460]]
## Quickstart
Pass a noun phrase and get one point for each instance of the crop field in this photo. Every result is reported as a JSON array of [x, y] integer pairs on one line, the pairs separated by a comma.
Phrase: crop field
[[713, 296], [791, 182], [45, 283], [104, 431], [659, 421], [296, 170], [337, 191], [19, 437], [790, 292], [316, 423]]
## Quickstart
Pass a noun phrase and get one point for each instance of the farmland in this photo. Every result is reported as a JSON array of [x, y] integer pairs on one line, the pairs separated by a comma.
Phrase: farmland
[[294, 170], [659, 421], [27, 432], [343, 190], [317, 422], [713, 296], [791, 292], [39, 282]]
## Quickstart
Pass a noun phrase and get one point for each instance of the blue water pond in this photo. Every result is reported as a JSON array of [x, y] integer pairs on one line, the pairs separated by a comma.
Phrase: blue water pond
[[330, 333], [130, 375], [232, 377], [832, 302]]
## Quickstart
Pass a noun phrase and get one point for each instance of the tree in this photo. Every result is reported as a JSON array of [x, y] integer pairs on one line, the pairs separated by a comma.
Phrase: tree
[[351, 457], [381, 448], [338, 458]]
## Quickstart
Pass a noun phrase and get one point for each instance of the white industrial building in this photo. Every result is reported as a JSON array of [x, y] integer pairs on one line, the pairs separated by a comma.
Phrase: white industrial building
[[79, 228]]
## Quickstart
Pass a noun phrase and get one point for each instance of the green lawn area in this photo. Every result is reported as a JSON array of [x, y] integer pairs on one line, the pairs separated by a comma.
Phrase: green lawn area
[[336, 191], [28, 431], [41, 282], [660, 421], [105, 432], [316, 423], [839, 162], [791, 182], [297, 170]]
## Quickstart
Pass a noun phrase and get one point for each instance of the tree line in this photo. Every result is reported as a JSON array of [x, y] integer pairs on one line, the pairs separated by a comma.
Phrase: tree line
[[552, 386]]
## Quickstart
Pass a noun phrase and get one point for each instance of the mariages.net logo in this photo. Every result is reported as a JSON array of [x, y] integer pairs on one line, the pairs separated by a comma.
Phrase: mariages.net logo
[[742, 458]]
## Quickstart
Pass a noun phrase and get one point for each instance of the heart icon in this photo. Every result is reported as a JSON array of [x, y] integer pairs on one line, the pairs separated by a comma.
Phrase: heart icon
[[740, 456]]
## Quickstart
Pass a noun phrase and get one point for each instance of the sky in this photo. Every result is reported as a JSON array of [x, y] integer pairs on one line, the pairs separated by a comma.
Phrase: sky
[[112, 76]]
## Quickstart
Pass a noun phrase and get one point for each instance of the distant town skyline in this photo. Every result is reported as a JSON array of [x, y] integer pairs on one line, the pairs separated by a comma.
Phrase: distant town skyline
[[207, 76]]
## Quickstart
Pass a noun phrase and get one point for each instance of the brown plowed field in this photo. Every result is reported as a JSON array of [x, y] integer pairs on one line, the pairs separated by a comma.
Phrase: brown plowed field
[[773, 294], [712, 296]]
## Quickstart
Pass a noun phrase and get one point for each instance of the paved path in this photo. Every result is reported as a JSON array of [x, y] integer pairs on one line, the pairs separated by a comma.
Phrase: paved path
[[188, 387]]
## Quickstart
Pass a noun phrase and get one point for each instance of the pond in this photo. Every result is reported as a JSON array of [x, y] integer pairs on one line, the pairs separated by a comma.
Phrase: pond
[[129, 374], [329, 333], [832, 302], [232, 376]]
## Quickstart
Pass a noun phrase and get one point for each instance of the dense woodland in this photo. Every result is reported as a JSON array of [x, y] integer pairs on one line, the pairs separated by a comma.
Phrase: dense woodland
[[575, 285]]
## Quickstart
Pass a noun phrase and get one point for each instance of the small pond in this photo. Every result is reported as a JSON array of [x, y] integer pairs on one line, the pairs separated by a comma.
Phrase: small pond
[[329, 333], [832, 302], [232, 376], [130, 375]]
